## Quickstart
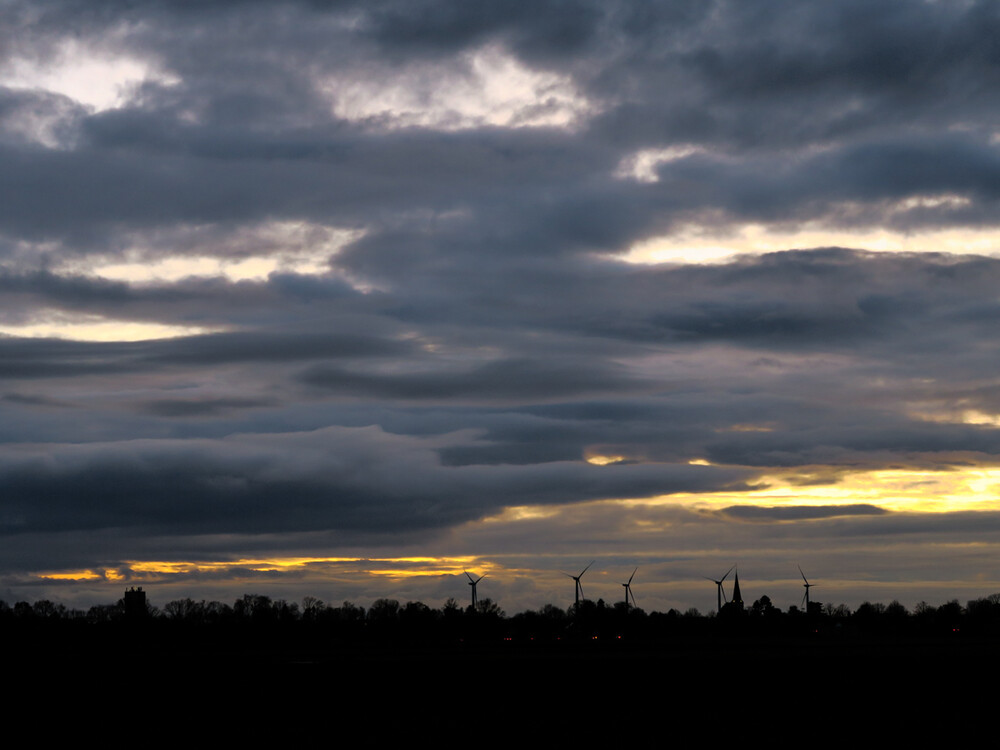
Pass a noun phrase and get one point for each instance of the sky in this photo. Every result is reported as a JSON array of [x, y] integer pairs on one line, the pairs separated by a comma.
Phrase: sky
[[343, 298]]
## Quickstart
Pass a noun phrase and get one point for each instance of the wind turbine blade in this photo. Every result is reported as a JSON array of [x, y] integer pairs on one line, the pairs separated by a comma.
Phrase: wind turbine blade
[[803, 575], [481, 578], [586, 569], [467, 573], [632, 576], [727, 573]]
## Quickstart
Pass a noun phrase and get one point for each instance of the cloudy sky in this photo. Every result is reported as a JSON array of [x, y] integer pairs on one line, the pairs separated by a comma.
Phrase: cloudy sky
[[342, 298]]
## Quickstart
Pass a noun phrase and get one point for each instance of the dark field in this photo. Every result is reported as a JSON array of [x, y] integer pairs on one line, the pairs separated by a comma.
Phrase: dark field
[[699, 688]]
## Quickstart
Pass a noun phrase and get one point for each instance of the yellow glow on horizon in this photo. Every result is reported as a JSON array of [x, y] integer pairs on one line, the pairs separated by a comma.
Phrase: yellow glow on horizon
[[901, 490], [604, 460], [894, 490], [407, 573], [74, 575], [963, 416], [974, 416], [911, 490], [201, 566], [516, 513], [388, 567]]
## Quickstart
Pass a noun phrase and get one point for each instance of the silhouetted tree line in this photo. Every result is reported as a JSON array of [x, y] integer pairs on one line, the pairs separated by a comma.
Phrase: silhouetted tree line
[[253, 617]]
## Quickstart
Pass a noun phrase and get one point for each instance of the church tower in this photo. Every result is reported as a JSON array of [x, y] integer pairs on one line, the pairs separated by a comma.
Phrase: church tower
[[737, 597]]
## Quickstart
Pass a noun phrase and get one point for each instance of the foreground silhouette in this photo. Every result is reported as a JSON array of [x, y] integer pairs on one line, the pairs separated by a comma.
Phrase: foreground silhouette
[[415, 659], [253, 617]]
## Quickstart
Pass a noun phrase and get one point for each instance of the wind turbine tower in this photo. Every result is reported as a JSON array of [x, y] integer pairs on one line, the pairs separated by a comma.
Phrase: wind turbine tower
[[579, 586], [473, 582], [806, 586], [721, 595], [628, 590]]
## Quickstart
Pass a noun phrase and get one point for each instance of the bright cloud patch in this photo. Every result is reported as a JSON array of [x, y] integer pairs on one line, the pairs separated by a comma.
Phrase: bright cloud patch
[[493, 89], [902, 490], [642, 165], [290, 247], [705, 244], [94, 328], [95, 77]]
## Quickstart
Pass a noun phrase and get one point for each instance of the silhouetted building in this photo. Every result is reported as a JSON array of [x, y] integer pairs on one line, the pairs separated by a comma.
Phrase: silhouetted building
[[135, 603], [737, 601]]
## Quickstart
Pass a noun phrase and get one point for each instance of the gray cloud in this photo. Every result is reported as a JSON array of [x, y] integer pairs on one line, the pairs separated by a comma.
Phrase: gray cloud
[[476, 338], [504, 380], [799, 512], [45, 358], [244, 155], [337, 478], [203, 407]]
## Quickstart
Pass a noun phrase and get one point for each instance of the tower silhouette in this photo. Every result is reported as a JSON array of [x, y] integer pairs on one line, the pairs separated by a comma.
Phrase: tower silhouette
[[737, 600]]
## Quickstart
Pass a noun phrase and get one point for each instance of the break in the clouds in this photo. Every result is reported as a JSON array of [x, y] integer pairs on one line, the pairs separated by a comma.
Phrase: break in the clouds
[[466, 280]]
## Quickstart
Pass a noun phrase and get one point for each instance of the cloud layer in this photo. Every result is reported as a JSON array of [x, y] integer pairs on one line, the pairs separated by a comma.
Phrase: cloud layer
[[422, 307]]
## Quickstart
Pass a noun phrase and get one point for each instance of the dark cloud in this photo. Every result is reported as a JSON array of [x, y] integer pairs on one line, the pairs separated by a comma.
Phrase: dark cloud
[[581, 379], [549, 30], [50, 358], [799, 512], [244, 133], [503, 380], [352, 479]]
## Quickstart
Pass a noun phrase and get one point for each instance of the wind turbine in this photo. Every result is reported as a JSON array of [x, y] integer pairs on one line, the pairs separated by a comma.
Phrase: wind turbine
[[721, 595], [628, 590], [579, 586], [806, 586], [473, 582]]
